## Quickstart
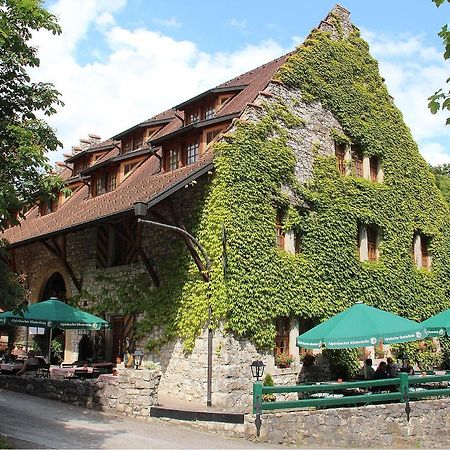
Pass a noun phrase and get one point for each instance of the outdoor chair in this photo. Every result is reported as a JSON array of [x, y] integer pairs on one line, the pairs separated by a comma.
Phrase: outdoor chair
[[43, 371]]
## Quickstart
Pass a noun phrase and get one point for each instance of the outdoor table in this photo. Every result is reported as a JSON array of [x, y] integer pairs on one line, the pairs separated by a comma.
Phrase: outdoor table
[[86, 372], [10, 368]]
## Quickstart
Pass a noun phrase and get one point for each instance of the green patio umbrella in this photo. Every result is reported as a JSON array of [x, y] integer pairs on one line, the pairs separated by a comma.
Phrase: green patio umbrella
[[438, 324], [361, 326], [54, 313]]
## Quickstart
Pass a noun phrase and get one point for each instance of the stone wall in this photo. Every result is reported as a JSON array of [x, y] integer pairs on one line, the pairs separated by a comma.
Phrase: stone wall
[[374, 426], [379, 426], [133, 392]]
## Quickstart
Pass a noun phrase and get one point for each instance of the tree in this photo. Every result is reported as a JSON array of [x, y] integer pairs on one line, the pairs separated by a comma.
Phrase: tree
[[441, 99], [24, 136], [442, 175]]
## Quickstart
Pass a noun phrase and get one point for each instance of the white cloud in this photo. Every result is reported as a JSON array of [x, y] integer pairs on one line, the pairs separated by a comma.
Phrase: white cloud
[[240, 24], [435, 154], [414, 71], [141, 72], [144, 72], [169, 23]]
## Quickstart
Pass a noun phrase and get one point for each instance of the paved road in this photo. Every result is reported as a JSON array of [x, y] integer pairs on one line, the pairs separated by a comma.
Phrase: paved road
[[51, 424]]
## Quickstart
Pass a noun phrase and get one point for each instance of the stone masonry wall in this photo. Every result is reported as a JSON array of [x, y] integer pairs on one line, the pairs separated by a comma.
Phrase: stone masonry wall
[[376, 426], [132, 393], [184, 375]]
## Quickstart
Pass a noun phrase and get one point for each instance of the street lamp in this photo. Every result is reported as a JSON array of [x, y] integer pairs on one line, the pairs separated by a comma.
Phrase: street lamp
[[137, 358], [257, 369]]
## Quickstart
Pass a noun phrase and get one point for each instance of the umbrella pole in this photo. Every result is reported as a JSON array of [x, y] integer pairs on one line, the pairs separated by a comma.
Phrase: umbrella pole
[[50, 346]]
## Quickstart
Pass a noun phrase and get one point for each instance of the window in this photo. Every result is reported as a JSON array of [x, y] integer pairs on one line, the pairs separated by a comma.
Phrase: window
[[99, 186], [174, 159], [282, 327], [210, 135], [128, 167], [138, 142], [209, 112], [48, 206], [192, 153], [112, 247], [357, 159], [193, 117], [368, 242], [111, 182], [279, 230], [374, 165], [126, 146], [339, 151], [372, 247], [421, 252], [80, 165]]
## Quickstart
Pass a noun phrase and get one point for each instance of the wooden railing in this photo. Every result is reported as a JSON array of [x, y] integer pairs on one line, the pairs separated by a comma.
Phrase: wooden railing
[[366, 392]]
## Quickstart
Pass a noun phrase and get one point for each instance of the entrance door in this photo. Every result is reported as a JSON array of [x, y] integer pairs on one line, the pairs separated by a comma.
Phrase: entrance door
[[118, 336]]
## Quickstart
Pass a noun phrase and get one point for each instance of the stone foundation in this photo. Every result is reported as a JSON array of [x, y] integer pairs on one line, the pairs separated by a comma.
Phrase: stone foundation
[[366, 426], [132, 393]]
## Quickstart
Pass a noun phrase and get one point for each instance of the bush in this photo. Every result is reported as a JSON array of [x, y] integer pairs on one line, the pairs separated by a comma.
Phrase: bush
[[268, 381]]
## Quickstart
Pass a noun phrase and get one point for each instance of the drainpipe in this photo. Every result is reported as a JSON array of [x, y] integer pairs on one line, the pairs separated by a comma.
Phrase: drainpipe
[[140, 211]]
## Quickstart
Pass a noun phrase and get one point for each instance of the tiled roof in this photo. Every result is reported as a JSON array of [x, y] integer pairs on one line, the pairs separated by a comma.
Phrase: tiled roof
[[146, 183]]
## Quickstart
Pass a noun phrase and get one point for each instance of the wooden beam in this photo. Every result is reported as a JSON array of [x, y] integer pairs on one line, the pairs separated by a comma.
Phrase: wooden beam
[[190, 246]]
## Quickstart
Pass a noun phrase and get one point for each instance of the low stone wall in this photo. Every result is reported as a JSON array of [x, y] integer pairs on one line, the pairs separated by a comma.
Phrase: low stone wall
[[378, 426], [132, 393]]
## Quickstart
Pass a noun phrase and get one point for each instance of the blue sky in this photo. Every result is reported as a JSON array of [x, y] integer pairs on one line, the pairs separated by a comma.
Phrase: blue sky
[[119, 62]]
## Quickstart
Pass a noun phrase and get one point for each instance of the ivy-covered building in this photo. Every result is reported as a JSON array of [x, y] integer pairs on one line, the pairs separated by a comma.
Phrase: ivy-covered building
[[300, 181]]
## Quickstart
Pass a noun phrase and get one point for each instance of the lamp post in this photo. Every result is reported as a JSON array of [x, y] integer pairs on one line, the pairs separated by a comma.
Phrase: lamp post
[[257, 368], [140, 211]]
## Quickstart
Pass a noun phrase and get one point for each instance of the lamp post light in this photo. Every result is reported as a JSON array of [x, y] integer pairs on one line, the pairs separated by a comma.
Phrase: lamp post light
[[137, 358], [257, 369]]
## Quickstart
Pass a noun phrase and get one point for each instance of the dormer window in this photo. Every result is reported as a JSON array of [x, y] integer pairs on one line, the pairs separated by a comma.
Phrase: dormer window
[[138, 142], [48, 206], [174, 159], [210, 135], [81, 164], [103, 183], [193, 117], [192, 153], [127, 146], [209, 112]]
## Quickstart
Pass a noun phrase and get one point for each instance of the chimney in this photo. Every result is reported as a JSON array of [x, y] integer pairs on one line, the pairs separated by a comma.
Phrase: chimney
[[85, 143], [94, 138]]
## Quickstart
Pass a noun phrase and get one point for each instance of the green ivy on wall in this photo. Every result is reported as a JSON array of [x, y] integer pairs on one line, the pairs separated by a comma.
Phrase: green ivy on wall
[[255, 168]]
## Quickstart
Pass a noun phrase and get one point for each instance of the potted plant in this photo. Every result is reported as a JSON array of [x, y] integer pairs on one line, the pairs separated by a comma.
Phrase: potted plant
[[268, 381], [284, 360]]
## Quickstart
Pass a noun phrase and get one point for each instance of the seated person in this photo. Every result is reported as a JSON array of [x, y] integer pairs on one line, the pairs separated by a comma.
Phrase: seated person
[[381, 372], [406, 367], [32, 363], [18, 352], [392, 368], [8, 356], [367, 372]]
